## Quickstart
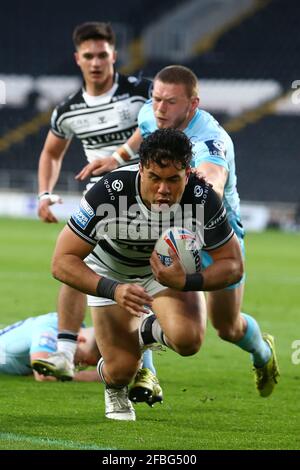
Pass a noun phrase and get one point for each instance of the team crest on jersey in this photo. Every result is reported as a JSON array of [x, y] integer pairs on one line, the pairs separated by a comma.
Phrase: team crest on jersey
[[84, 214]]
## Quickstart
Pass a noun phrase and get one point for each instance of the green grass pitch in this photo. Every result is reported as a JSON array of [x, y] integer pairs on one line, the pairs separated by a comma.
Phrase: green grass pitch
[[210, 400]]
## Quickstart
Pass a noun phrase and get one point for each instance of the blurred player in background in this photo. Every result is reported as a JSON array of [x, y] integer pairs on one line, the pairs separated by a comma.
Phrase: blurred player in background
[[34, 337], [103, 115], [175, 104]]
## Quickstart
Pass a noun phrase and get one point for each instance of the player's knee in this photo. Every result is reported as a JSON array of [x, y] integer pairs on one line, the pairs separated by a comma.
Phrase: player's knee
[[229, 332], [188, 346], [121, 374]]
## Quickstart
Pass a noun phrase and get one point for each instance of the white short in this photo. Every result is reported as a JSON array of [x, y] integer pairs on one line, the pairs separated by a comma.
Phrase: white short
[[149, 283]]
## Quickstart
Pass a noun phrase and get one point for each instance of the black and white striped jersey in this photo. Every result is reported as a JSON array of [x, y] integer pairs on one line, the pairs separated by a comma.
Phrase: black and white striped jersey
[[103, 122], [113, 218]]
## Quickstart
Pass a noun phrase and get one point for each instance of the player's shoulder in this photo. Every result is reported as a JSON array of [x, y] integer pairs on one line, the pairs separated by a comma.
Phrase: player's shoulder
[[146, 118], [116, 183], [136, 85], [198, 190], [212, 129], [125, 174]]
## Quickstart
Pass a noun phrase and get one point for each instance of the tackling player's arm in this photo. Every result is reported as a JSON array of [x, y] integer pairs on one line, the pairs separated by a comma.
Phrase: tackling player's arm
[[121, 156], [49, 169], [214, 174]]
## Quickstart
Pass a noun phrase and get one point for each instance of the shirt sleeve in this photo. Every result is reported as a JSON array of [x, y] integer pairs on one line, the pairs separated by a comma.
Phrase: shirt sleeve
[[90, 220], [145, 119], [57, 125], [217, 230]]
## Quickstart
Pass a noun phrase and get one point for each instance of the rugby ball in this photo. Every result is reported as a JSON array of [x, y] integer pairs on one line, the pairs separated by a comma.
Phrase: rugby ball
[[184, 243]]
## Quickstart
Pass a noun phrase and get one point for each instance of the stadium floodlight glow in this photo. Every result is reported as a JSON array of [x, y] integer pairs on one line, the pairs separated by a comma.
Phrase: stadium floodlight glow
[[2, 92]]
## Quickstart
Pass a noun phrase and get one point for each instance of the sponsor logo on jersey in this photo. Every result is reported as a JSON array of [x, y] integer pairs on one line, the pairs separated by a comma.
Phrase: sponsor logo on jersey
[[216, 148], [117, 185], [108, 138], [218, 219], [84, 214], [198, 190], [78, 106]]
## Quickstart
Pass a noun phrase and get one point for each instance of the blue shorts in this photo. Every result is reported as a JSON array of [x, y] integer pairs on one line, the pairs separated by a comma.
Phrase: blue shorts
[[240, 233]]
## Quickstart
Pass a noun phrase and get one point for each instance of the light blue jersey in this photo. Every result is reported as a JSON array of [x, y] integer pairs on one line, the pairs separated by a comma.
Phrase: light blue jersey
[[20, 340], [211, 144]]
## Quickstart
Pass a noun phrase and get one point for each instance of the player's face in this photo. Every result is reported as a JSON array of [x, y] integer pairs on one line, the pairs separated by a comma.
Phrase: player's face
[[172, 106], [96, 60], [162, 186]]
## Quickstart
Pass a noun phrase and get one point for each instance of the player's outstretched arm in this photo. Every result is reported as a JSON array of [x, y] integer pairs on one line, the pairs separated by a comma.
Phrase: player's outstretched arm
[[68, 267], [215, 175], [120, 157]]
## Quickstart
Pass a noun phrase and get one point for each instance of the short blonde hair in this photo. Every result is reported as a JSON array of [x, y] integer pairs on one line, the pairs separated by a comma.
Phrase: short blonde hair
[[179, 74]]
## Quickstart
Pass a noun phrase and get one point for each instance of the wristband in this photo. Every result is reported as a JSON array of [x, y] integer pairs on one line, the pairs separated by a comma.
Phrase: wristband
[[193, 282], [119, 159], [129, 154], [106, 288], [54, 198], [129, 150], [42, 194]]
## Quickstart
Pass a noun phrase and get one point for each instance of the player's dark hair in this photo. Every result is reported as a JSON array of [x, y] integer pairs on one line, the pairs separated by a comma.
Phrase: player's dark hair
[[164, 146], [179, 75], [93, 30]]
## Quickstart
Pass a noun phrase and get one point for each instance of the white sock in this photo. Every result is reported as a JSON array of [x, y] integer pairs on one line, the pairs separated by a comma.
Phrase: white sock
[[67, 343]]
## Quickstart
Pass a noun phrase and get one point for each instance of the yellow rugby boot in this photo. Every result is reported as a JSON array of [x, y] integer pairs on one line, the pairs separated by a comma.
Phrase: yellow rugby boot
[[145, 388], [266, 376]]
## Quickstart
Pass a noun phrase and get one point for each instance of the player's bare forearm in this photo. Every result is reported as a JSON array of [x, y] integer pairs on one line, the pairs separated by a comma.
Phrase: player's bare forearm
[[222, 273], [227, 267], [49, 170], [97, 168], [71, 270], [68, 265], [135, 140], [215, 175]]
